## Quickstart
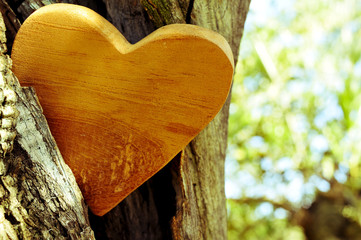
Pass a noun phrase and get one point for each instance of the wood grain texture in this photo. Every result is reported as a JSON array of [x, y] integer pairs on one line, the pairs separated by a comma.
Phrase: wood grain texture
[[39, 198], [139, 103], [201, 172]]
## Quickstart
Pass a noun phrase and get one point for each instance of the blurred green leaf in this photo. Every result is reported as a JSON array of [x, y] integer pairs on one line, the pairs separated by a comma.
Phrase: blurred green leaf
[[295, 123]]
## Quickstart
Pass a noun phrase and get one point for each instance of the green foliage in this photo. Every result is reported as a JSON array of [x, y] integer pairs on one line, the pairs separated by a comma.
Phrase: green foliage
[[295, 123]]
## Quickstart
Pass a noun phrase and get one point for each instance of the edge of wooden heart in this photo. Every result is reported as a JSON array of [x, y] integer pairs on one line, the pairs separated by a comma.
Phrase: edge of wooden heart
[[111, 33], [108, 31]]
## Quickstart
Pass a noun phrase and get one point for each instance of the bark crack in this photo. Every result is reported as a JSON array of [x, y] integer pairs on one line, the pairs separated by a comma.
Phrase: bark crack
[[189, 12]]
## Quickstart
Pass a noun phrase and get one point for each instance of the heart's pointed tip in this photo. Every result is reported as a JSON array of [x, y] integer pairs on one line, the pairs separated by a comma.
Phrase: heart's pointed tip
[[100, 213], [149, 86], [101, 209]]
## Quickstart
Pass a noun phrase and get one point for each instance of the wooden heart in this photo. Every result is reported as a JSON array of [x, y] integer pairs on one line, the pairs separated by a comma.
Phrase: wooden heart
[[120, 112]]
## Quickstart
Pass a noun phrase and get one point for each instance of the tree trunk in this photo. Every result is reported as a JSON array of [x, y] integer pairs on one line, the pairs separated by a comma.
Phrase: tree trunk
[[38, 195]]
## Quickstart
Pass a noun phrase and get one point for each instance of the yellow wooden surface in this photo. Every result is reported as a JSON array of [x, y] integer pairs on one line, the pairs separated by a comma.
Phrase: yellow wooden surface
[[120, 112]]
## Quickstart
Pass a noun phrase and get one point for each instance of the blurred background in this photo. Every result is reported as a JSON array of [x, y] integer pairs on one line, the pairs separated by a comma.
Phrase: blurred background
[[294, 153]]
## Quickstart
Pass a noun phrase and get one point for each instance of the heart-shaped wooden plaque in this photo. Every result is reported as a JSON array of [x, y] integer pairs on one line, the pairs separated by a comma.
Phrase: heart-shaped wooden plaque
[[120, 112]]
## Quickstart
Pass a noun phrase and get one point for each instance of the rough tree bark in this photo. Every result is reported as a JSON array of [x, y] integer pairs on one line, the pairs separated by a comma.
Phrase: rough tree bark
[[38, 195]]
